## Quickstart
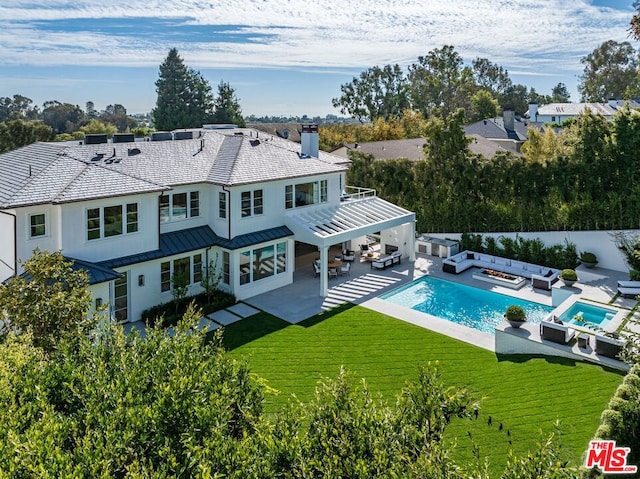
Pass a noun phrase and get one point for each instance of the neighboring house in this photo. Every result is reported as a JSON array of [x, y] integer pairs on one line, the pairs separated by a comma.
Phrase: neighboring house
[[413, 149], [133, 214], [509, 132], [559, 112]]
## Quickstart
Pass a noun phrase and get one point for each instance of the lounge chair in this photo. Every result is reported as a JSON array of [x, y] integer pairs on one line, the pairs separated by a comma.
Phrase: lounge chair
[[333, 273], [556, 332], [316, 269], [629, 284], [609, 347], [629, 291]]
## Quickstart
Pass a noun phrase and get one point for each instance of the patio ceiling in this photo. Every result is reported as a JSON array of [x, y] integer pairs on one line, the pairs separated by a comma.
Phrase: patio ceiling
[[351, 219]]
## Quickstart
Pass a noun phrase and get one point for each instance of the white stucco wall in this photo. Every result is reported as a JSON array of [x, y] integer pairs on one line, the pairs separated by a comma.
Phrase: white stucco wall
[[601, 243], [74, 227], [7, 244]]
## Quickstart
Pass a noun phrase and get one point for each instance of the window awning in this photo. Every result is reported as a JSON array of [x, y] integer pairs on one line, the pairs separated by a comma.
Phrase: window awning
[[352, 218]]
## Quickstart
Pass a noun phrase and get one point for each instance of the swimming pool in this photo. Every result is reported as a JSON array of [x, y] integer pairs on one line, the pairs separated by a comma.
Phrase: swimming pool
[[461, 304], [593, 314]]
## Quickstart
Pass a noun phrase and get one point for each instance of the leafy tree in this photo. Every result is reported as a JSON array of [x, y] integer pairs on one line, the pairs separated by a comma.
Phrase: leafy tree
[[118, 405], [117, 115], [376, 93], [17, 133], [50, 300], [179, 287], [610, 71], [634, 28], [490, 76], [96, 126], [18, 107], [515, 96], [445, 139], [90, 110], [184, 96], [439, 83], [226, 106], [210, 278], [62, 117], [483, 105], [535, 97], [560, 94]]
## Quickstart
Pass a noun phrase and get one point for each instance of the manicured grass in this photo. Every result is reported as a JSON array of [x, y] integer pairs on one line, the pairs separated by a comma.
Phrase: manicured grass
[[523, 396]]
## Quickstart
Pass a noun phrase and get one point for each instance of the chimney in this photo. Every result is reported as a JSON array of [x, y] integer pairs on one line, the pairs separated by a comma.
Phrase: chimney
[[533, 111], [309, 140], [509, 119]]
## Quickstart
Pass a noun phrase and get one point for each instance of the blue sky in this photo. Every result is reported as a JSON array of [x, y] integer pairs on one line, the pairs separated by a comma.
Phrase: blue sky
[[285, 57]]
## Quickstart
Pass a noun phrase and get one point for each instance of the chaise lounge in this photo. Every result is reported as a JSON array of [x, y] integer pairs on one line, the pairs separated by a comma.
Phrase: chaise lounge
[[629, 288], [382, 263]]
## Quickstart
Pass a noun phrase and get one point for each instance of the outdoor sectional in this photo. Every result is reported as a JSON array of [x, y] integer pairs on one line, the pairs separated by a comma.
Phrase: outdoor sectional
[[382, 263], [541, 276]]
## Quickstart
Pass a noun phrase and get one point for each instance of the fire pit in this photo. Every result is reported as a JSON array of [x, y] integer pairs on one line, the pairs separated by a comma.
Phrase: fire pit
[[498, 277]]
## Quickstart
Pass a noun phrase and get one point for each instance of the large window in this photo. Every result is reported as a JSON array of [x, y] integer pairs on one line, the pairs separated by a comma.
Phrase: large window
[[110, 221], [189, 266], [251, 203], [179, 206], [37, 225], [226, 269], [121, 298], [304, 194], [264, 262], [222, 204]]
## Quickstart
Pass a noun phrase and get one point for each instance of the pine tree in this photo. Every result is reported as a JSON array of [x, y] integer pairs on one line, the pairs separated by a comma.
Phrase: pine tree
[[184, 96], [227, 108]]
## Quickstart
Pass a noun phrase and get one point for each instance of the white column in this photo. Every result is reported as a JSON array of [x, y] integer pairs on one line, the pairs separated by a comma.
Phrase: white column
[[412, 242], [324, 271]]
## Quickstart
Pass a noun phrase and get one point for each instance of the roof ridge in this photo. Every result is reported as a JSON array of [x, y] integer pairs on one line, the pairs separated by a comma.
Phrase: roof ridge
[[33, 178], [87, 165]]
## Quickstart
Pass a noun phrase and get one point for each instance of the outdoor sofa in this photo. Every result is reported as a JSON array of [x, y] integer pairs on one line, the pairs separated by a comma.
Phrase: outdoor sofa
[[608, 346], [555, 330], [541, 276], [383, 263]]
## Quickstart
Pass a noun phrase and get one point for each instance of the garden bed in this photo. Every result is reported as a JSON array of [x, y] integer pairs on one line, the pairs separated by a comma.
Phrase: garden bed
[[170, 315]]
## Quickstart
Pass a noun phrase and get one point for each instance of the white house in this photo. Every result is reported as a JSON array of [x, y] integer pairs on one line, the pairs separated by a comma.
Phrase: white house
[[134, 213], [559, 112]]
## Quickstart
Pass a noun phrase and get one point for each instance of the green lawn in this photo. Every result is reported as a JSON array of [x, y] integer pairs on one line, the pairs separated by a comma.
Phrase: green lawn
[[524, 395]]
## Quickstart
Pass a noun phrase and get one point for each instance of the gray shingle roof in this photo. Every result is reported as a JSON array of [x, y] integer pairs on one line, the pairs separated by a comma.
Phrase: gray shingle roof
[[64, 173]]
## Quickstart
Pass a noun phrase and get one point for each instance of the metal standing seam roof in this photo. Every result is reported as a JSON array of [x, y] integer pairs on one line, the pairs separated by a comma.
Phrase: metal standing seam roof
[[183, 241]]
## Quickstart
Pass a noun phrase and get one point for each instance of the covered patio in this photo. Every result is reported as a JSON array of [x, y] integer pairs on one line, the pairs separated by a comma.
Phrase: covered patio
[[342, 226]]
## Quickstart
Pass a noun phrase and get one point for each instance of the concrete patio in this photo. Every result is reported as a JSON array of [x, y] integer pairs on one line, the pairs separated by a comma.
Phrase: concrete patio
[[300, 300]]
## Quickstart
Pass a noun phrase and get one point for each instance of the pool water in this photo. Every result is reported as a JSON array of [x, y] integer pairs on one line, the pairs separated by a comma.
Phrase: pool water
[[462, 304], [593, 314]]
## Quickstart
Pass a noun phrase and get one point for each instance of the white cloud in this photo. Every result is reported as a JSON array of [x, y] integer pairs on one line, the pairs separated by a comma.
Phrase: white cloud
[[523, 34]]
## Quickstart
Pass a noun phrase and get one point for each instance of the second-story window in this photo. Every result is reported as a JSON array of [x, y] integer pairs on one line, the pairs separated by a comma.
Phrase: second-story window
[[179, 206], [304, 194], [110, 221], [37, 225], [222, 204], [251, 203]]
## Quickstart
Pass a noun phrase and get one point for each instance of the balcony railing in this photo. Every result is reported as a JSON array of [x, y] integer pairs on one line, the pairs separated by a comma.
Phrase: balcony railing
[[351, 193]]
